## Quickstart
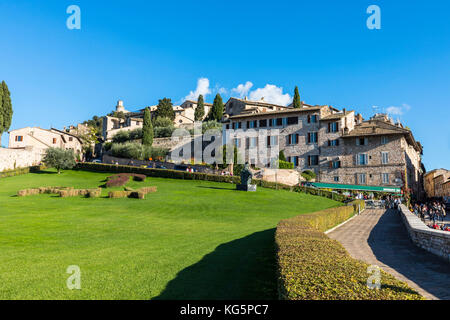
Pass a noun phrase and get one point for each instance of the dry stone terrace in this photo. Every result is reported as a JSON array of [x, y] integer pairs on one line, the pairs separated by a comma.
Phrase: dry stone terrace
[[338, 145]]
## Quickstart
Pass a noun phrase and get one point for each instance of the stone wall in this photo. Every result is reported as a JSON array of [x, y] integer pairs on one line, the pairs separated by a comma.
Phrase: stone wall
[[19, 158], [434, 241]]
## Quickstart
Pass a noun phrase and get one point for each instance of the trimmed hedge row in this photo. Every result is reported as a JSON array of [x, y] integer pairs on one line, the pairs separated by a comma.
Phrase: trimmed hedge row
[[138, 194], [312, 266], [20, 171], [174, 174], [159, 173], [61, 191]]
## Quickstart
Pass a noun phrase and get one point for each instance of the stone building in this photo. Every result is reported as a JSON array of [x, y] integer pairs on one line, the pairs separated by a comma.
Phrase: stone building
[[441, 184], [42, 139], [429, 182], [338, 145], [184, 118]]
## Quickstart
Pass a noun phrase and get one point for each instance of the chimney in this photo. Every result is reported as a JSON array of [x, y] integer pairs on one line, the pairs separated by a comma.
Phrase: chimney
[[343, 110], [262, 98]]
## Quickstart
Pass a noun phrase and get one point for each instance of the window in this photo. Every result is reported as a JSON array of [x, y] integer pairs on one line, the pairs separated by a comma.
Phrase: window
[[313, 160], [336, 179], [292, 138], [362, 159], [272, 141], [227, 126], [312, 137], [263, 123], [333, 127], [333, 143], [384, 157], [292, 120], [237, 125], [384, 140], [54, 140], [336, 164], [237, 142], [279, 121], [385, 178], [312, 118], [253, 141], [251, 124], [362, 141], [361, 178], [19, 138], [70, 138]]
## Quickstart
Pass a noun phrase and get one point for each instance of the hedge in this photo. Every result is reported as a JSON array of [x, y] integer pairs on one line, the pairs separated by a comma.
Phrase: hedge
[[312, 266], [20, 171], [175, 174]]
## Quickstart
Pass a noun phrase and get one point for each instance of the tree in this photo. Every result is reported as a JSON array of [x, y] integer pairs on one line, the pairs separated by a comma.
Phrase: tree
[[165, 109], [59, 159], [147, 129], [281, 156], [297, 102], [216, 111], [6, 110], [200, 110]]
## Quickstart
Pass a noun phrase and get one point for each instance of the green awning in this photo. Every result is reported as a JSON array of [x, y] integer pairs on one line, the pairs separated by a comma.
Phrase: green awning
[[390, 189]]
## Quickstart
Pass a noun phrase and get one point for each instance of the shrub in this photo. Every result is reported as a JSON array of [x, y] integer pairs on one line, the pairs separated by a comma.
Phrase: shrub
[[20, 171], [118, 181], [163, 122], [121, 136], [285, 165], [135, 150], [164, 132], [119, 194], [94, 193], [311, 266], [308, 175]]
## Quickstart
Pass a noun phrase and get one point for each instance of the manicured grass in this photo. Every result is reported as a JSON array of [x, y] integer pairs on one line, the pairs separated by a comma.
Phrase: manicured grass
[[190, 240]]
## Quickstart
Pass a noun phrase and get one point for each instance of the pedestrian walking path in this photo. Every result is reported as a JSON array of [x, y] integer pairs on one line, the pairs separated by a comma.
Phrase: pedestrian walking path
[[378, 237]]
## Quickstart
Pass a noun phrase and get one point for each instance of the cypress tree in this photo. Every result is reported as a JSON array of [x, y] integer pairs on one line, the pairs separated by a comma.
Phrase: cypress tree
[[200, 110], [216, 111], [1, 111], [297, 101], [6, 107], [165, 109], [147, 130]]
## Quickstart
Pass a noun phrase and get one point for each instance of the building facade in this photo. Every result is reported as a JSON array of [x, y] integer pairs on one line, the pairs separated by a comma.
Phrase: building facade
[[42, 139], [338, 145]]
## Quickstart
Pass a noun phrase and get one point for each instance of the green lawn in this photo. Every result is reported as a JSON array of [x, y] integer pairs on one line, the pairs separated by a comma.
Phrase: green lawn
[[190, 240]]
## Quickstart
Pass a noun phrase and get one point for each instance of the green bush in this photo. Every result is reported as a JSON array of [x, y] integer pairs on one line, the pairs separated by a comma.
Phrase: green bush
[[312, 266], [308, 175], [164, 132], [163, 122], [285, 165], [135, 150], [121, 136]]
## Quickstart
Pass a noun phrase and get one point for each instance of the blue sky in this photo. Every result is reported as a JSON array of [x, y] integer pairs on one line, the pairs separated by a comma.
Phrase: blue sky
[[142, 51]]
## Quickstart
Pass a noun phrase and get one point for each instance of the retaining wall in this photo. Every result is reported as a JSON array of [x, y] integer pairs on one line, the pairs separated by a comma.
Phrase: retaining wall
[[434, 241]]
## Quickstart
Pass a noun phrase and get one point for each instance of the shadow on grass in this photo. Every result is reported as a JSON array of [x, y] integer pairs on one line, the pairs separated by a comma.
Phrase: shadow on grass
[[241, 269], [217, 188], [44, 172]]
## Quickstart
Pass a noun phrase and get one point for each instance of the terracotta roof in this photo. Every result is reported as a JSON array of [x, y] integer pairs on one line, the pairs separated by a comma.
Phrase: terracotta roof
[[336, 116], [269, 113], [257, 103], [378, 127], [205, 103]]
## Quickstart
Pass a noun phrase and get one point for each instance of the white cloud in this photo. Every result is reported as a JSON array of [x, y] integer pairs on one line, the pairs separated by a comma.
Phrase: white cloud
[[398, 111], [202, 89], [272, 94], [243, 89]]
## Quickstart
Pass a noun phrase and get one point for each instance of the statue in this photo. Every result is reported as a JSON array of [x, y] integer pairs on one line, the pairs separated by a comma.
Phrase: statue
[[246, 180]]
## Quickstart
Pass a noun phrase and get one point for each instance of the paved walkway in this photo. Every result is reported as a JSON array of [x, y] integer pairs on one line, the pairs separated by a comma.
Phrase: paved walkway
[[379, 237]]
